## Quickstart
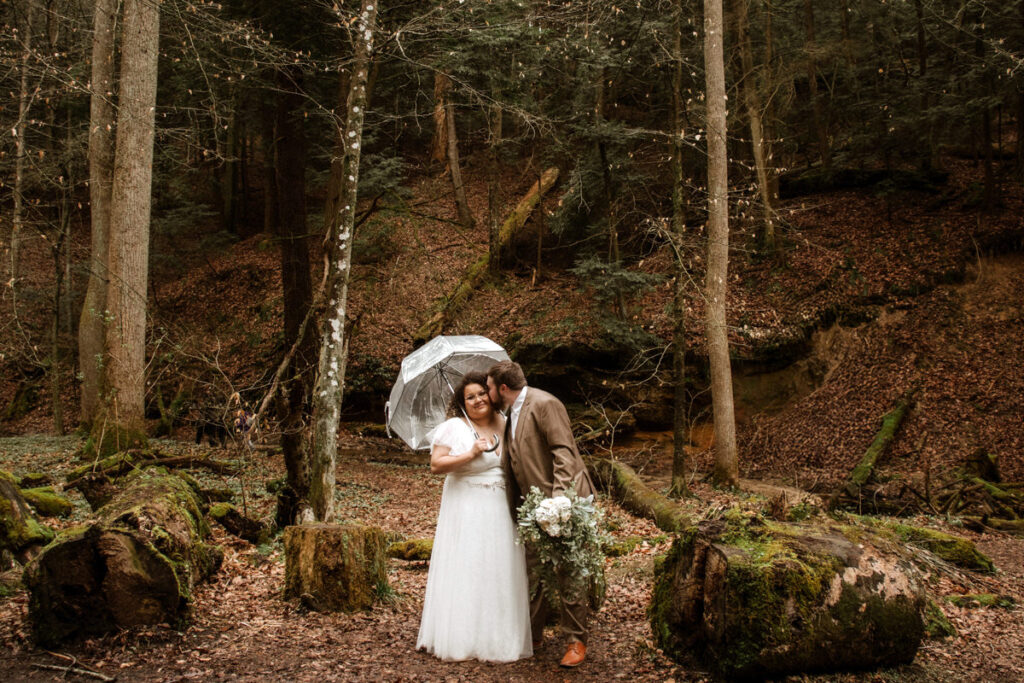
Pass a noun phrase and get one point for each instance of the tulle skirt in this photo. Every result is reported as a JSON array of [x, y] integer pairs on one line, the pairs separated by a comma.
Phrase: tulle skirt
[[476, 605]]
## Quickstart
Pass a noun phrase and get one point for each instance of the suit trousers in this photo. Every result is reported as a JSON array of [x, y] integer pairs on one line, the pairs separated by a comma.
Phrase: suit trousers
[[572, 615]]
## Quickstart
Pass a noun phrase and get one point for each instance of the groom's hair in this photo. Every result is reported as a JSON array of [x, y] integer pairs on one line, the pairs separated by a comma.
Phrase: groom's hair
[[508, 373]]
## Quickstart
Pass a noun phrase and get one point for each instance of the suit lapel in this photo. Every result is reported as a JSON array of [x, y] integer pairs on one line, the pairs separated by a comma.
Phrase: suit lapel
[[523, 413]]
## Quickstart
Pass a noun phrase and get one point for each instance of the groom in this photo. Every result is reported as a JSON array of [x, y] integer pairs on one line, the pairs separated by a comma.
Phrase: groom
[[540, 451]]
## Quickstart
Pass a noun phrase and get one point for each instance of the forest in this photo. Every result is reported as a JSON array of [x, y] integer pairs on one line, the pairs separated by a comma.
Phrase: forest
[[768, 254]]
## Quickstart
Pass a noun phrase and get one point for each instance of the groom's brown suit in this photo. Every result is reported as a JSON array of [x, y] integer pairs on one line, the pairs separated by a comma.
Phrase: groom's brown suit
[[543, 453]]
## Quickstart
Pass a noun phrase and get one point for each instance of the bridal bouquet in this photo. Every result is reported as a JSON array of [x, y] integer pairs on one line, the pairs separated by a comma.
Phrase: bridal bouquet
[[564, 533]]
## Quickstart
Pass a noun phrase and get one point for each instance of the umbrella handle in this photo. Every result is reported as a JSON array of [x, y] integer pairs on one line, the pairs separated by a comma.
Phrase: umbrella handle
[[497, 442], [387, 418]]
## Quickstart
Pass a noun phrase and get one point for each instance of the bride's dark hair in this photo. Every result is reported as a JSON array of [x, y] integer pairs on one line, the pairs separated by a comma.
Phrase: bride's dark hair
[[457, 405]]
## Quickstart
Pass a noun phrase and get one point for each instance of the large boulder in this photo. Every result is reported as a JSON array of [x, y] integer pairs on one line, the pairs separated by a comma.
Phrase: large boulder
[[755, 599], [136, 564], [335, 567], [21, 534]]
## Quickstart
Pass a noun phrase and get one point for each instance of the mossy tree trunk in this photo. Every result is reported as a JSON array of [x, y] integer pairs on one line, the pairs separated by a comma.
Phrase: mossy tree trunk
[[334, 567], [754, 600], [137, 564]]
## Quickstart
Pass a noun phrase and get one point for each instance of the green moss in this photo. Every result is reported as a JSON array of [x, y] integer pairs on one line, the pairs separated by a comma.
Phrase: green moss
[[417, 549], [953, 549], [982, 600], [34, 480], [936, 625], [48, 502], [18, 526], [221, 510]]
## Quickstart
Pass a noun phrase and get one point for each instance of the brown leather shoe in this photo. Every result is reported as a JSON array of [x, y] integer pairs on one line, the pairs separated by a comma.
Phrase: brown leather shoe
[[574, 655]]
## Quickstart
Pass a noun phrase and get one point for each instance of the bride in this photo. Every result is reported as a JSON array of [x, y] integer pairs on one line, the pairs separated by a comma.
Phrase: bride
[[476, 604]]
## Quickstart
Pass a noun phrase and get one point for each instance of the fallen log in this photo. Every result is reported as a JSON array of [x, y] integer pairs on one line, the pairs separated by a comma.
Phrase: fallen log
[[755, 599], [332, 567], [444, 307], [623, 484], [891, 421], [21, 534], [136, 564]]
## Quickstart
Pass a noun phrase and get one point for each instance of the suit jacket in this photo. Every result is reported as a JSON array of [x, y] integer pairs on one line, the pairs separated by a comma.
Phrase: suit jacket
[[542, 452]]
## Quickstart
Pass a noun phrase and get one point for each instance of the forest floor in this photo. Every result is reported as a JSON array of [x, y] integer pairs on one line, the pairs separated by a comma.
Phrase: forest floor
[[242, 629]]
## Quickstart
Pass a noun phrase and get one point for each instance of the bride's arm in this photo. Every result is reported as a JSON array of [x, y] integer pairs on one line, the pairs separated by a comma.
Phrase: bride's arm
[[443, 461]]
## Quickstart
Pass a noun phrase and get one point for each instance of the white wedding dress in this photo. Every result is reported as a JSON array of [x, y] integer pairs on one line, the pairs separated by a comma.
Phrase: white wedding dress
[[476, 604]]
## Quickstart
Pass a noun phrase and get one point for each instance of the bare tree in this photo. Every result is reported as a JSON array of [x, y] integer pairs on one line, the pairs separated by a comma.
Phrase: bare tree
[[130, 201], [101, 170], [726, 471], [24, 101], [330, 385]]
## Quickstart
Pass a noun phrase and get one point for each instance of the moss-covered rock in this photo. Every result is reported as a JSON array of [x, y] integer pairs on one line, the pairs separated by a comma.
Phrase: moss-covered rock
[[48, 502], [136, 564], [332, 567], [413, 550], [755, 599], [20, 531], [229, 517]]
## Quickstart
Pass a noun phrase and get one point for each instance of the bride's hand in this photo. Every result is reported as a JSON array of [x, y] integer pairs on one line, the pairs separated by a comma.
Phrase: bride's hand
[[479, 447]]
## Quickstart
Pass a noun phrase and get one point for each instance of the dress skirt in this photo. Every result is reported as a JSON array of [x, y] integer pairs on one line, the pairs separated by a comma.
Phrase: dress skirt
[[476, 604]]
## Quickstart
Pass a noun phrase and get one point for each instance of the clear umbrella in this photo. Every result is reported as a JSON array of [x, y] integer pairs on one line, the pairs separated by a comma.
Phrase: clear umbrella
[[425, 385]]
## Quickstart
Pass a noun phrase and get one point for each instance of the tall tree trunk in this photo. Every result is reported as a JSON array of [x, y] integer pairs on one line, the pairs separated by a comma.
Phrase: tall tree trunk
[[751, 87], [101, 171], [494, 125], [24, 98], [128, 256], [293, 408], [229, 200], [439, 145], [769, 109], [811, 47], [726, 472], [680, 423], [461, 203], [330, 384]]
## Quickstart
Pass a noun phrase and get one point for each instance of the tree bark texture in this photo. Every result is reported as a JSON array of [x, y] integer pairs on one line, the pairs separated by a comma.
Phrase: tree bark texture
[[439, 145], [680, 426], [726, 470], [131, 196], [137, 564], [330, 383], [293, 407], [764, 599]]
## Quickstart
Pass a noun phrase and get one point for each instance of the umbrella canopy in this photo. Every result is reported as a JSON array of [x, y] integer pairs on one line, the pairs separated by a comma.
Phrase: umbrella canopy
[[420, 397]]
